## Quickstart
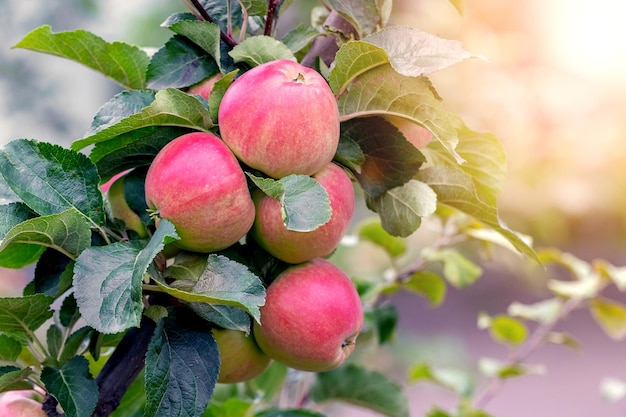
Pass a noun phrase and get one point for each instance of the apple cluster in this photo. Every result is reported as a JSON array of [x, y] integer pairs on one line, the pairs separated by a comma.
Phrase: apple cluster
[[276, 119]]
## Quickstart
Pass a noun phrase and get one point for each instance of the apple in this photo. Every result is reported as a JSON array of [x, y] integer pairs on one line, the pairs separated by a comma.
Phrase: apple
[[204, 87], [240, 357], [294, 247], [419, 136], [121, 210], [311, 317], [280, 118], [197, 183], [20, 404]]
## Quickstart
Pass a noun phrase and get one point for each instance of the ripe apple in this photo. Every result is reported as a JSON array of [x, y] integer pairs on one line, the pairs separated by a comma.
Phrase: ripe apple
[[419, 136], [240, 357], [204, 87], [196, 183], [20, 404], [311, 317], [294, 247], [280, 118], [121, 210]]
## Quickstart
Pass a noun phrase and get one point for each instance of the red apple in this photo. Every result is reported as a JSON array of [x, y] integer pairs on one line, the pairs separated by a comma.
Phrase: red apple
[[20, 404], [311, 317], [196, 183], [240, 357], [294, 247], [280, 118], [204, 87], [419, 136]]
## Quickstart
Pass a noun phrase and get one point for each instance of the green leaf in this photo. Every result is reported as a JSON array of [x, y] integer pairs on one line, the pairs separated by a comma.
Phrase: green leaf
[[67, 232], [217, 93], [455, 188], [610, 315], [504, 329], [54, 340], [616, 274], [256, 50], [123, 63], [73, 387], [13, 214], [75, 344], [389, 159], [364, 15], [383, 91], [171, 107], [21, 316], [107, 280], [457, 269], [224, 282], [255, 7], [349, 154], [385, 319], [502, 370], [353, 59], [13, 378], [132, 149], [300, 37], [121, 106], [305, 203], [401, 209], [51, 179], [10, 348], [371, 230], [429, 284], [53, 274], [564, 339], [413, 52], [449, 378], [228, 317], [204, 34], [543, 312], [362, 387], [179, 63], [458, 5], [182, 364]]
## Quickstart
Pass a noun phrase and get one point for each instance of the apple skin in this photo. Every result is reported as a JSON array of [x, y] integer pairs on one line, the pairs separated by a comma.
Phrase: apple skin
[[20, 404], [197, 183], [295, 247], [280, 118], [121, 210], [419, 136], [311, 317], [204, 87], [241, 359]]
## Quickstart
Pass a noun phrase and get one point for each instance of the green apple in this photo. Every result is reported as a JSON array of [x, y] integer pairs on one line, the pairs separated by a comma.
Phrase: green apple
[[280, 118], [311, 317], [197, 183], [240, 357], [121, 210], [294, 247]]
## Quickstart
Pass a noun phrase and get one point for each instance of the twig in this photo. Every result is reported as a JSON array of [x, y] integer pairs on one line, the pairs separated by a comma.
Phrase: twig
[[228, 40], [272, 5]]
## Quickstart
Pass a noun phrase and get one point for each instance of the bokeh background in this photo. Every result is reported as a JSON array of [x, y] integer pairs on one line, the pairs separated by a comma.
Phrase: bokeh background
[[552, 87]]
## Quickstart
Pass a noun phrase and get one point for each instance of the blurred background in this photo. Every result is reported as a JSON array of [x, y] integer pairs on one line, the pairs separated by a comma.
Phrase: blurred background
[[552, 88]]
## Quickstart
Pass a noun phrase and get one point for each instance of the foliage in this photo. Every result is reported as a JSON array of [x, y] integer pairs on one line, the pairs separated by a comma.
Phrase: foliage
[[92, 270]]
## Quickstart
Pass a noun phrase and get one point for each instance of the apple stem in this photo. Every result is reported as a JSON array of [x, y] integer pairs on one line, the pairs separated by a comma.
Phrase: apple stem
[[272, 5], [201, 13]]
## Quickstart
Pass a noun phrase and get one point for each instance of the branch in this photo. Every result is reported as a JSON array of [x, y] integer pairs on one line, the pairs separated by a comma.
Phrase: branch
[[270, 17], [202, 14]]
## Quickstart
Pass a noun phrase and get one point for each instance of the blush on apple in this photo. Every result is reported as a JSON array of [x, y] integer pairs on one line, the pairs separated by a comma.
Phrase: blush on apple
[[196, 183], [419, 136], [240, 357], [280, 118], [205, 87], [20, 404], [311, 317], [294, 247]]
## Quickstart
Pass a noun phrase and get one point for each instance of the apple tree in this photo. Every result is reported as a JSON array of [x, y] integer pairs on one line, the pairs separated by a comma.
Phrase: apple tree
[[188, 248]]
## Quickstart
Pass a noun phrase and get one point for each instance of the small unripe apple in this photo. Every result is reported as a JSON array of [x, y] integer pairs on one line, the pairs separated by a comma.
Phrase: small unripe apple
[[311, 317], [20, 404], [121, 210], [197, 183], [281, 118], [294, 247], [205, 87], [240, 357], [419, 136]]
